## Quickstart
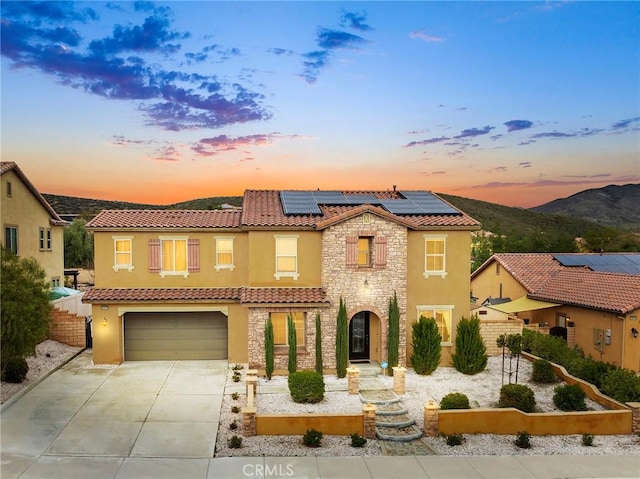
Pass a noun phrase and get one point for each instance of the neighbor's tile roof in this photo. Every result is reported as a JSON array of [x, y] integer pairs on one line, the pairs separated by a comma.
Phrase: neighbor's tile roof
[[166, 219], [242, 295], [262, 208], [615, 292], [531, 270]]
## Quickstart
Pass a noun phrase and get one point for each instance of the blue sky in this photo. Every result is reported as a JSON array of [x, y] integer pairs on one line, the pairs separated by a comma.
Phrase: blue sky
[[515, 103]]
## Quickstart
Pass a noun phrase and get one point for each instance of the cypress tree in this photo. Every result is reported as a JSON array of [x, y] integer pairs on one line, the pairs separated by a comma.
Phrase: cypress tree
[[268, 348], [470, 356], [342, 341], [426, 341], [293, 345], [319, 367], [393, 342]]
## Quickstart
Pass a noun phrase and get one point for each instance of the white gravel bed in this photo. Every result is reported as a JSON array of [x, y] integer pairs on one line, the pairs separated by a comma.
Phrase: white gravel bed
[[49, 354]]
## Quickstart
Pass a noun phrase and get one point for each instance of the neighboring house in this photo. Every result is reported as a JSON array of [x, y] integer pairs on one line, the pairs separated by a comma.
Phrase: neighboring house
[[592, 300], [202, 284], [31, 228]]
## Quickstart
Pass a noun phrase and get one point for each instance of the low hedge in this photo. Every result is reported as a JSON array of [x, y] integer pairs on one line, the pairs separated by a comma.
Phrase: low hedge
[[306, 386]]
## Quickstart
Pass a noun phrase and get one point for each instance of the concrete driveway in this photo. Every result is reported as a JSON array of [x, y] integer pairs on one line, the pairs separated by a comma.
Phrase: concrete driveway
[[95, 417]]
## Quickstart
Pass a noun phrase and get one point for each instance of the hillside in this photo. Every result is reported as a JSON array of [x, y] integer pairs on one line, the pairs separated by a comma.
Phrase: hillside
[[612, 205]]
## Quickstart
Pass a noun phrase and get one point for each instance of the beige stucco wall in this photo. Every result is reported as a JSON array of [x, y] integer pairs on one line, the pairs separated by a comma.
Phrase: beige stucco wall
[[23, 210], [491, 280]]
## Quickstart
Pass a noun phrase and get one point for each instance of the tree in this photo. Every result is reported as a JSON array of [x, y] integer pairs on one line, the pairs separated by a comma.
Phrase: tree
[[342, 341], [426, 341], [25, 306], [470, 356], [293, 345], [78, 245], [393, 342], [319, 367], [268, 348]]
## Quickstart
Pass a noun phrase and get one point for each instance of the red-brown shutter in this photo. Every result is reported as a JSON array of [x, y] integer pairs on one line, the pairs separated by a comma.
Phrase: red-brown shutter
[[380, 252], [352, 252], [193, 255], [154, 255]]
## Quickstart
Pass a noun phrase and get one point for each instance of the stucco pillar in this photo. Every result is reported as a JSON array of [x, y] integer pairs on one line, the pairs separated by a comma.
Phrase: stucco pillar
[[635, 418], [399, 379], [252, 383], [431, 419], [369, 411], [249, 421], [571, 334], [353, 380]]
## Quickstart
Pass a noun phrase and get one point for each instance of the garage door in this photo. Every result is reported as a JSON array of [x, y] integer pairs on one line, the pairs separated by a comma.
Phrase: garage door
[[155, 336]]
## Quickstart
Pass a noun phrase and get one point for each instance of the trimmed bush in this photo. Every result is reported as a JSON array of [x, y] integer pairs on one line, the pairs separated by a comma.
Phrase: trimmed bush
[[622, 385], [357, 440], [569, 398], [319, 367], [518, 396], [342, 341], [543, 372], [455, 401], [454, 439], [523, 440], [393, 341], [234, 442], [268, 348], [235, 409], [426, 341], [587, 440], [15, 370], [312, 438], [306, 387], [470, 356], [293, 345]]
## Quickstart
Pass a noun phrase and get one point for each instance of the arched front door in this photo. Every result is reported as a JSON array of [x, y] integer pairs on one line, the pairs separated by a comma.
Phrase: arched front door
[[359, 337]]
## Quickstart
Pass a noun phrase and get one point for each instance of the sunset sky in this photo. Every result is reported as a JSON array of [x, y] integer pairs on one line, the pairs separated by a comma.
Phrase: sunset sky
[[516, 103]]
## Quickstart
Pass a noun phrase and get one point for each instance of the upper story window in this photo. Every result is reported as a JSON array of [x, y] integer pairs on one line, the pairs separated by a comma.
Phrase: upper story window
[[9, 189], [11, 238], [174, 255], [224, 253], [281, 328], [49, 242], [443, 316], [435, 256], [286, 257], [364, 252], [367, 250], [122, 253], [44, 239]]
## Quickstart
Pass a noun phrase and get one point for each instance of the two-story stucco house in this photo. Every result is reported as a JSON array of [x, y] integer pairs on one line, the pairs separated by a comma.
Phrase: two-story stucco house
[[31, 227], [202, 284]]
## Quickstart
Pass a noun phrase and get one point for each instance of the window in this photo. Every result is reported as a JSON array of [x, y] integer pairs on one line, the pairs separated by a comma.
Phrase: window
[[41, 239], [11, 238], [286, 257], [122, 250], [364, 252], [280, 328], [174, 256], [55, 282], [442, 315], [9, 189], [49, 239], [44, 239], [224, 254], [434, 258]]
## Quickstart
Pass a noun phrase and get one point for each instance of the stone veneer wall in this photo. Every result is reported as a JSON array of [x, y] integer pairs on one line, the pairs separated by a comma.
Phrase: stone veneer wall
[[348, 283]]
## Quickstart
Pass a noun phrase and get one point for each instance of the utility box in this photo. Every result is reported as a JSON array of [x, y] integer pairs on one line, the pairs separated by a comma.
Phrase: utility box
[[599, 339]]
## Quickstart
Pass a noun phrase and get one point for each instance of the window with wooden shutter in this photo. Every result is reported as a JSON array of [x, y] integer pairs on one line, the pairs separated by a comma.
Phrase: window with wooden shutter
[[154, 255], [193, 255], [380, 256], [352, 252]]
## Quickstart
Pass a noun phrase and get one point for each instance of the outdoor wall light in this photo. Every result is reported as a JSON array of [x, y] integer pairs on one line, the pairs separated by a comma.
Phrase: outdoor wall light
[[104, 322], [634, 332], [366, 283]]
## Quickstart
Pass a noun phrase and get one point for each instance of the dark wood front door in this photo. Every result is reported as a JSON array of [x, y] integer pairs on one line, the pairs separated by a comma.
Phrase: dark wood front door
[[359, 337]]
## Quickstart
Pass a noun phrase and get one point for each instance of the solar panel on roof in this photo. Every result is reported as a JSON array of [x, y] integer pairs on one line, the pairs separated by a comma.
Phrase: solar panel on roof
[[402, 207], [299, 203], [330, 198], [606, 263], [430, 204], [363, 199]]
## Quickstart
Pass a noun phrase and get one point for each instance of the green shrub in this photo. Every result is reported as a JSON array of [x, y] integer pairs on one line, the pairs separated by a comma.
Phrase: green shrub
[[587, 440], [393, 341], [622, 385], [268, 348], [293, 345], [470, 356], [306, 387], [455, 401], [569, 398], [454, 439], [235, 396], [319, 368], [518, 396], [15, 370], [312, 438], [426, 341], [591, 370], [523, 440], [527, 339], [238, 367], [235, 409], [543, 372], [235, 378], [233, 425], [342, 341], [234, 442], [357, 440]]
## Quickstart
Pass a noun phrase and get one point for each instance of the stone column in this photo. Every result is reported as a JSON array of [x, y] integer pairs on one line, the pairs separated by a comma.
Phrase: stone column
[[635, 417], [353, 380], [571, 334], [249, 421], [399, 379], [431, 428], [369, 411]]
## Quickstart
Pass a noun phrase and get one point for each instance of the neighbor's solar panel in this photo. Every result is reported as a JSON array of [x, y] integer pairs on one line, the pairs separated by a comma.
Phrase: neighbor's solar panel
[[430, 204], [299, 203], [608, 263]]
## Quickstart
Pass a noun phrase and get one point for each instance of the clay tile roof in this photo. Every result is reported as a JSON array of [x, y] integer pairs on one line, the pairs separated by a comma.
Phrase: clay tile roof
[[283, 295], [618, 293], [166, 219], [161, 294], [6, 166], [531, 270]]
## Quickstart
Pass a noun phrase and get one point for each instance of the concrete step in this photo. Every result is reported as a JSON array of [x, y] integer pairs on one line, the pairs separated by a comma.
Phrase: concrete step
[[391, 409], [370, 384], [379, 397], [403, 434], [395, 421]]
